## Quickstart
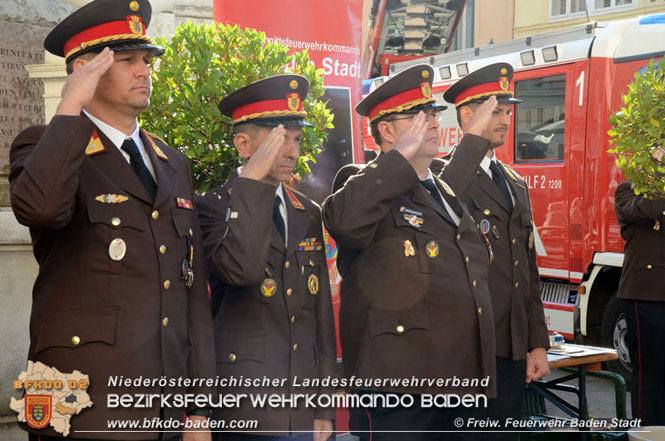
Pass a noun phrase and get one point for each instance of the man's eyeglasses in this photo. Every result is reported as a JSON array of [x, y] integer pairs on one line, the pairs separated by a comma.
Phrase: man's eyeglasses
[[431, 113]]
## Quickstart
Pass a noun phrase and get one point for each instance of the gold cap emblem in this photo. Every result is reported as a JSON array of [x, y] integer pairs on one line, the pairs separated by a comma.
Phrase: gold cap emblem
[[504, 71], [134, 6], [293, 84], [135, 24], [425, 74]]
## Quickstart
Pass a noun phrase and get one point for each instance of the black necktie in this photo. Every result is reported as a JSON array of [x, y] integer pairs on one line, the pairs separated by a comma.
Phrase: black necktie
[[431, 188], [277, 217], [136, 161], [500, 182]]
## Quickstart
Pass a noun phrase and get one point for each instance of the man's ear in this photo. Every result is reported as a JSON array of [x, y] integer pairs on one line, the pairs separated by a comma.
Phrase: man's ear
[[81, 61], [465, 113], [386, 131], [243, 143]]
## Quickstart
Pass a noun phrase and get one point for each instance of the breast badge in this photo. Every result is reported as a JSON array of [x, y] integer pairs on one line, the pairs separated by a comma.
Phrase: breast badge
[[432, 249], [268, 287], [485, 228], [313, 284], [413, 217], [117, 249], [111, 198], [408, 249]]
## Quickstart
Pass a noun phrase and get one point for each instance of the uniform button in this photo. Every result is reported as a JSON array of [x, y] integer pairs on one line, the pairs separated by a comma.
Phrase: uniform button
[[167, 284], [289, 292], [480, 311], [514, 241], [191, 233], [295, 346], [76, 340], [475, 284], [155, 215], [232, 357], [466, 259], [459, 236], [649, 266], [162, 249], [287, 264], [399, 329], [517, 262], [116, 221], [486, 212], [293, 319], [517, 284], [165, 321]]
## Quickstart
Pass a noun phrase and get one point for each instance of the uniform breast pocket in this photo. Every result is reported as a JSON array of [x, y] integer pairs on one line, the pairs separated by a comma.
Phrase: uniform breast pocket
[[77, 328], [311, 274], [117, 229]]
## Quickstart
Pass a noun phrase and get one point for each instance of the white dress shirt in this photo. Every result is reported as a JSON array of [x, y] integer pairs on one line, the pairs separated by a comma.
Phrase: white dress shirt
[[485, 165]]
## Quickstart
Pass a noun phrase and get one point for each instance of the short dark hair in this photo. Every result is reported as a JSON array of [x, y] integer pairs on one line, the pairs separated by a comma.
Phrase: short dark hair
[[473, 105], [247, 128]]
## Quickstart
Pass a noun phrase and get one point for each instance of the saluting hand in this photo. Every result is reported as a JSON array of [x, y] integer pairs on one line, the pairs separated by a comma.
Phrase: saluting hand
[[80, 87], [259, 165], [412, 140], [481, 117]]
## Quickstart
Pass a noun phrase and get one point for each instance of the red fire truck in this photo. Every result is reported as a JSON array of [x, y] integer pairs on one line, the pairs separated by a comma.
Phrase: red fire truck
[[570, 81]]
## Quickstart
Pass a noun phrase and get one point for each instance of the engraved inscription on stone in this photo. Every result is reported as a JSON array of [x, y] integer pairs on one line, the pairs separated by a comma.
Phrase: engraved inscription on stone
[[21, 101]]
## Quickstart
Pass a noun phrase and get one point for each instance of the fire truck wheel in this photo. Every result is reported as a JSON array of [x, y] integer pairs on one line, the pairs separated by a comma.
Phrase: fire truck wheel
[[613, 335]]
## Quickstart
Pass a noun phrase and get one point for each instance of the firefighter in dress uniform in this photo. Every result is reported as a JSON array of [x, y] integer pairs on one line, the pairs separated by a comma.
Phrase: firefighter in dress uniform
[[499, 201], [642, 297], [414, 296], [265, 251], [121, 288]]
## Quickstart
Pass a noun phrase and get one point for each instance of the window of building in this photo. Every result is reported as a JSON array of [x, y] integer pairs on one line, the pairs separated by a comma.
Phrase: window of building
[[539, 121], [605, 4], [463, 38], [561, 8]]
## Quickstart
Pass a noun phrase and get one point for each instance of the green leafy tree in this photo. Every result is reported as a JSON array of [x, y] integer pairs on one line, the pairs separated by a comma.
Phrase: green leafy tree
[[639, 129], [203, 64]]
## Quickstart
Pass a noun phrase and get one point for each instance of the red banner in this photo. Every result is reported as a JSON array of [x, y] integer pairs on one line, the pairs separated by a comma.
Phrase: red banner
[[331, 31]]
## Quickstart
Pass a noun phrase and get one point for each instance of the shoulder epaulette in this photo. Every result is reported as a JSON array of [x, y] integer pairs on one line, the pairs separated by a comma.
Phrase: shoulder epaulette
[[158, 138], [512, 173]]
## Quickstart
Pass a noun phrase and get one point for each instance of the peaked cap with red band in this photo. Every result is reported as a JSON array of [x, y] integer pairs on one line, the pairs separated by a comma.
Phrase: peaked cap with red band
[[410, 91], [479, 85], [268, 102], [118, 24]]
